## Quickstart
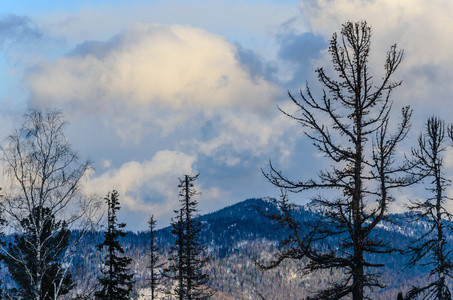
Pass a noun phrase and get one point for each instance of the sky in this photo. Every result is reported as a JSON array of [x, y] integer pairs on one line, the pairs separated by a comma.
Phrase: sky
[[154, 90]]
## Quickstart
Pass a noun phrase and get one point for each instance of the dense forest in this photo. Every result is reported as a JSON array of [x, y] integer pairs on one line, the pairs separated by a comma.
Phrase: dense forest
[[59, 243], [236, 236]]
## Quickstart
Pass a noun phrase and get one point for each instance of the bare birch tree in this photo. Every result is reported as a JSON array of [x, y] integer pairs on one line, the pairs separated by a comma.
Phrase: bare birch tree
[[349, 124], [45, 175]]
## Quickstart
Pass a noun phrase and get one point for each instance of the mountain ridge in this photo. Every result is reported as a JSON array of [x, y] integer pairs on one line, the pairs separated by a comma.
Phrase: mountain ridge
[[237, 235]]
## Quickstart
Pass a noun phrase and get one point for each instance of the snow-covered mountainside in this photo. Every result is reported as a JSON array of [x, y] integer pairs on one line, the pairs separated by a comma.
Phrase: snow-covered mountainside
[[238, 235]]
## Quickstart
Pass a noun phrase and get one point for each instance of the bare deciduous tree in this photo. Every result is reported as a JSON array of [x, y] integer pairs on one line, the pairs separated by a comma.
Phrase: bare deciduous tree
[[45, 174], [349, 124]]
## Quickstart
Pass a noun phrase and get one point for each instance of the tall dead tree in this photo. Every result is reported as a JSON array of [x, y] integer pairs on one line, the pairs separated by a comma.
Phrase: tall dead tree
[[349, 124], [431, 249], [45, 175]]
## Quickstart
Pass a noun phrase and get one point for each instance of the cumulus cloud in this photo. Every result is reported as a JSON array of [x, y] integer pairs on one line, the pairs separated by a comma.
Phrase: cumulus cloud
[[247, 132], [406, 22], [170, 83], [150, 185], [151, 69], [419, 27], [184, 99]]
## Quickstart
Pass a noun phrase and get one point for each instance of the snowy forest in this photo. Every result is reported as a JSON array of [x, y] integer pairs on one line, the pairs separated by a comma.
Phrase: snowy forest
[[60, 243]]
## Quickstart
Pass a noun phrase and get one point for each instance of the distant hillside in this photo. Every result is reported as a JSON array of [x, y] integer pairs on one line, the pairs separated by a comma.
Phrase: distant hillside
[[237, 235]]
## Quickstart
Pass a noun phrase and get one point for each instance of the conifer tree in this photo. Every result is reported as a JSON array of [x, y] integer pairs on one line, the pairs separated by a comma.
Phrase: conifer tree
[[116, 280], [56, 240], [188, 254], [431, 246], [53, 249], [154, 264], [175, 269]]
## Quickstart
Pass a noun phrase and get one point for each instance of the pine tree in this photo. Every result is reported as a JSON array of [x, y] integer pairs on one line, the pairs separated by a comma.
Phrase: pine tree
[[154, 264], [55, 237], [175, 269], [431, 246], [188, 254], [117, 280]]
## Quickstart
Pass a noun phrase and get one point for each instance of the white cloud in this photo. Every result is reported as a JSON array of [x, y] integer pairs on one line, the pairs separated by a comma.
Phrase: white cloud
[[106, 163], [421, 28], [183, 88], [410, 23], [248, 132], [161, 82], [152, 71], [150, 185]]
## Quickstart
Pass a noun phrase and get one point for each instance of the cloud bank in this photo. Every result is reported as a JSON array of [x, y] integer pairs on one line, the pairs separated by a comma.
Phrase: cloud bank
[[422, 28], [148, 185], [186, 95], [149, 88], [151, 70]]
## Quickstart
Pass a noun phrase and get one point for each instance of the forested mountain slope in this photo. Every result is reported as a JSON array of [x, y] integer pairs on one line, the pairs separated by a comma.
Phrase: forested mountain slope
[[236, 236]]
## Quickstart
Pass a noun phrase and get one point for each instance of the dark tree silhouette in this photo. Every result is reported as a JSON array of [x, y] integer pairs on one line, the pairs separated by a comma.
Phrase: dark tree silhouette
[[188, 254], [116, 280], [349, 125], [175, 269], [429, 162], [56, 241], [154, 260]]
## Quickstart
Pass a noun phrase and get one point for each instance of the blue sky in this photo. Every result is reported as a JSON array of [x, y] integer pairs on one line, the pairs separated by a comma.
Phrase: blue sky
[[157, 89]]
